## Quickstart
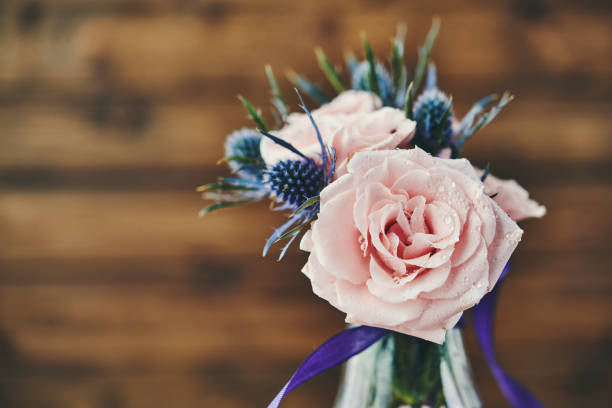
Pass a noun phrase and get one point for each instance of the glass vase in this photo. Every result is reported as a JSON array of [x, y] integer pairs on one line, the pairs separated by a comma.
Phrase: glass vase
[[401, 371]]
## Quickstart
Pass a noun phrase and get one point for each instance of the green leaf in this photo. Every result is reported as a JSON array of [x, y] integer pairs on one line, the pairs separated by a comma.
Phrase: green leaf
[[425, 53], [221, 186], [409, 101], [397, 67], [307, 203], [218, 206], [277, 96], [397, 58], [294, 231], [371, 58], [329, 70], [241, 160], [304, 85], [475, 110], [254, 114], [485, 119], [489, 116]]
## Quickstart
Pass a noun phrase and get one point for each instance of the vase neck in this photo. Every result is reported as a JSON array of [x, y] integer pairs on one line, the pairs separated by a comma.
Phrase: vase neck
[[400, 371]]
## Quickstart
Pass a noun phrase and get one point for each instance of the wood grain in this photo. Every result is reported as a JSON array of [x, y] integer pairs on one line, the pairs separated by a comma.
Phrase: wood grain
[[114, 294]]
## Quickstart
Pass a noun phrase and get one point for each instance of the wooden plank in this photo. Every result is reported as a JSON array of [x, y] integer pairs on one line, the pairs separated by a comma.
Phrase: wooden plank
[[108, 46], [116, 224], [171, 329], [75, 224], [139, 341], [192, 135], [187, 135], [160, 327], [113, 293], [227, 387]]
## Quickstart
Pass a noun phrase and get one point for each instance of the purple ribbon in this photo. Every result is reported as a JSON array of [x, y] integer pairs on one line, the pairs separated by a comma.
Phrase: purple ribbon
[[353, 341], [483, 317], [334, 351]]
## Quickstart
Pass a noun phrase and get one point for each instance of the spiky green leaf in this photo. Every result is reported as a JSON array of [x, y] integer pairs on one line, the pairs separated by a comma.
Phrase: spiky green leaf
[[241, 160], [329, 70], [254, 114], [310, 89], [425, 53], [294, 231], [409, 101], [397, 65], [221, 186], [371, 58], [397, 58], [309, 202], [277, 96], [218, 206], [475, 110], [485, 119]]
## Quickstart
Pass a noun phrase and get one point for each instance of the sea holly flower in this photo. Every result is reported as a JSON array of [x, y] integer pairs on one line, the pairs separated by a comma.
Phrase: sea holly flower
[[360, 80], [292, 182], [407, 241], [244, 160], [297, 184], [433, 113], [242, 153]]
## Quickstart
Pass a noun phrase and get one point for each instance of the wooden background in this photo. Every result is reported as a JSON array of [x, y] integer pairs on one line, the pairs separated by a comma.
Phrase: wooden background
[[114, 294]]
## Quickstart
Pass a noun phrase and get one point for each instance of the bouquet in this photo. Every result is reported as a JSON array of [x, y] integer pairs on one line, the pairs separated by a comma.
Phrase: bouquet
[[403, 234]]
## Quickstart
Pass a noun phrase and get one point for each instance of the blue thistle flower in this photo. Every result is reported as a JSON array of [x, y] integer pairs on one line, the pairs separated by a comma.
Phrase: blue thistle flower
[[295, 181], [243, 155], [360, 80], [434, 116], [297, 184]]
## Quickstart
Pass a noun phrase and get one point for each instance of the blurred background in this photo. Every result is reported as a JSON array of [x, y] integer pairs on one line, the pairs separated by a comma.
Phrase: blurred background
[[113, 293]]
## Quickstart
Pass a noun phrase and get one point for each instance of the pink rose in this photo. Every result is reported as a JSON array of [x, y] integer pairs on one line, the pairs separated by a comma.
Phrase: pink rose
[[350, 123], [407, 241], [513, 198], [509, 195], [351, 102]]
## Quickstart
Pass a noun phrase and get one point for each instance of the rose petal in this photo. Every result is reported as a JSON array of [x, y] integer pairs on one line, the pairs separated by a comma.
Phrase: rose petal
[[337, 239], [359, 303], [513, 198], [425, 281], [323, 283], [507, 236]]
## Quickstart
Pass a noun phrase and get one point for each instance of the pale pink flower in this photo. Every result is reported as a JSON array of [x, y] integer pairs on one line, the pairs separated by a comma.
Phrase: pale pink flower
[[513, 198], [407, 241], [351, 102], [352, 122]]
